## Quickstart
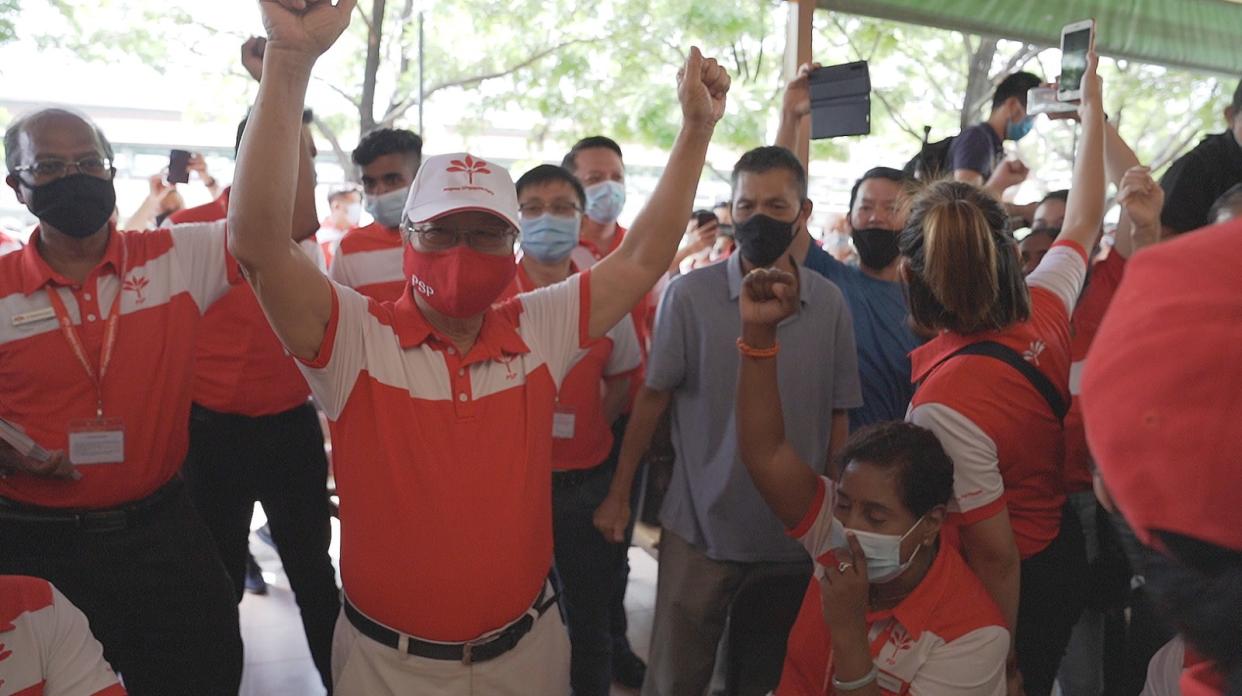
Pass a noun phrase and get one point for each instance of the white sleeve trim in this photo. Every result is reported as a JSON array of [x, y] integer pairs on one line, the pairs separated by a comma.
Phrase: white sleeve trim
[[976, 468], [972, 665], [1063, 272]]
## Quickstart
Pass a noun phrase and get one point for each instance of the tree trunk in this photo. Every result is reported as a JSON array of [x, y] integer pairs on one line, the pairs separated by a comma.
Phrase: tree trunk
[[979, 79], [375, 35]]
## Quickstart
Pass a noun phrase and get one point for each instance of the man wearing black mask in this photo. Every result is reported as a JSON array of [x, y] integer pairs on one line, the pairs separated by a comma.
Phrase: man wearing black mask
[[718, 535], [874, 290], [97, 331]]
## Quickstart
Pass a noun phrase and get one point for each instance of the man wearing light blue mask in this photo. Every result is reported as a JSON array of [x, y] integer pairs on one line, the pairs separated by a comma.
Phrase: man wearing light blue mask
[[550, 203], [369, 258], [596, 161], [977, 155]]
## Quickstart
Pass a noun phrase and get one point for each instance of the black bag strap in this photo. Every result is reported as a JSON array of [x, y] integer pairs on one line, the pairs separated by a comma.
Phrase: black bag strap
[[1014, 359]]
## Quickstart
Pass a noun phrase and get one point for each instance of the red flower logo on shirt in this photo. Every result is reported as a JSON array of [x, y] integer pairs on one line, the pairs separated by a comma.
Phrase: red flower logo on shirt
[[470, 166], [136, 285], [1032, 354], [901, 641]]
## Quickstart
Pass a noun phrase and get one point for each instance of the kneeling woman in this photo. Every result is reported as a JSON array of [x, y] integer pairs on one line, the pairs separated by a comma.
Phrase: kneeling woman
[[890, 610]]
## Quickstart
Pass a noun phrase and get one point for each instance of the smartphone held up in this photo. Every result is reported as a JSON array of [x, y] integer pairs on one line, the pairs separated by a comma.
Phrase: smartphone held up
[[1077, 40]]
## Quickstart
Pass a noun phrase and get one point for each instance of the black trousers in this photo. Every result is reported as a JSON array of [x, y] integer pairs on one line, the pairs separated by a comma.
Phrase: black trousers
[[278, 461], [1052, 597], [155, 594]]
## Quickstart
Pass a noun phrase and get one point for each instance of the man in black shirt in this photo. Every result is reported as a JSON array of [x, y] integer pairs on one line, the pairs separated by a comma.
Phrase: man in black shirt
[[1196, 180]]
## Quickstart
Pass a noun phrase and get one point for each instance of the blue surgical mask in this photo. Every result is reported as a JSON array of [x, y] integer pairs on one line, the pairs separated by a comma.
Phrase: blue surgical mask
[[883, 552], [605, 201], [548, 238], [1018, 131], [387, 208]]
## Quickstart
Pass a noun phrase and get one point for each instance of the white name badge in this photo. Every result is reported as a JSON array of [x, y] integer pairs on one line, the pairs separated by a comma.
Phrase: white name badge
[[97, 441], [563, 423]]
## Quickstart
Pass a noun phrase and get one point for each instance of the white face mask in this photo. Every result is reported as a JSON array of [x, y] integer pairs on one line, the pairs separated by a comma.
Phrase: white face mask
[[387, 208], [605, 201], [883, 552], [353, 214]]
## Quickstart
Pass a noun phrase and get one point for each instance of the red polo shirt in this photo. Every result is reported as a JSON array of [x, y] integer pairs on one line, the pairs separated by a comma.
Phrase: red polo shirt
[[946, 637], [579, 398], [240, 367], [1007, 446], [170, 278], [46, 646], [443, 461], [369, 260], [1101, 286]]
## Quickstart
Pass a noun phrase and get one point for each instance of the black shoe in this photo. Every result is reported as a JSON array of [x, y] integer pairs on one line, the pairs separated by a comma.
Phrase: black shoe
[[628, 669], [255, 584]]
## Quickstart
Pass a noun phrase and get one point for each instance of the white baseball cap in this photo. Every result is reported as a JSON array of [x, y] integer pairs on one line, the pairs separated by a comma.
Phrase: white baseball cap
[[460, 182]]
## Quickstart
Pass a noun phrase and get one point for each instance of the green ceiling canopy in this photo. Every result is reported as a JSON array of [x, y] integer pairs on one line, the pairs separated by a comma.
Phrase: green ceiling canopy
[[1197, 34]]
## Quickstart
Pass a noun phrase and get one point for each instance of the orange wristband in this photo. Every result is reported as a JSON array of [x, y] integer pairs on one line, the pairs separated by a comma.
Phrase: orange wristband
[[758, 353]]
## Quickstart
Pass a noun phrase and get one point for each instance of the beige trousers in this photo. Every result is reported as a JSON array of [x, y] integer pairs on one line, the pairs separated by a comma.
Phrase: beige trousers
[[538, 665]]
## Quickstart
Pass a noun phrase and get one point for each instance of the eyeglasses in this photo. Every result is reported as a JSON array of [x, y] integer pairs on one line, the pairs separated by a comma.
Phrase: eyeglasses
[[531, 211], [48, 170], [441, 238]]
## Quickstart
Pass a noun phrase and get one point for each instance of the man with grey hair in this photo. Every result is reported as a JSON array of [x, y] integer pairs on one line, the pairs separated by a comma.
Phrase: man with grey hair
[[97, 330]]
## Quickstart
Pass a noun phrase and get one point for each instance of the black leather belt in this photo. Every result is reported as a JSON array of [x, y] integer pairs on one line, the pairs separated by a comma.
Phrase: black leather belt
[[466, 653], [106, 520]]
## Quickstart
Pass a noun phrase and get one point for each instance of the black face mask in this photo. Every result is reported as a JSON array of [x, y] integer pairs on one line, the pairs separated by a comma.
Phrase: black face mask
[[78, 204], [762, 239], [877, 247]]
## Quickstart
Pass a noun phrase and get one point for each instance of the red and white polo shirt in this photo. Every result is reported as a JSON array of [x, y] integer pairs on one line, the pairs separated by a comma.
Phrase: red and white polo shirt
[[1007, 446], [8, 243], [946, 637], [586, 255], [1096, 297], [443, 461], [46, 646], [369, 260], [165, 279], [240, 367], [581, 438]]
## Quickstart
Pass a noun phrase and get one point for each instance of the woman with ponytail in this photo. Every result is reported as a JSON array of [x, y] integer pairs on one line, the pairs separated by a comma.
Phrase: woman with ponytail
[[992, 385]]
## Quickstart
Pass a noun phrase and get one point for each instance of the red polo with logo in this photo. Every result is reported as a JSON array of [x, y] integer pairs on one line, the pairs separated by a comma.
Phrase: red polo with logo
[[170, 277], [586, 255], [46, 646], [946, 637], [1105, 277], [369, 260], [443, 461], [1006, 444], [615, 356], [240, 367]]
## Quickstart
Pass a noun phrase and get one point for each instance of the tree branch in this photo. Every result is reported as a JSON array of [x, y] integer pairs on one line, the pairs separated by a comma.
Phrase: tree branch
[[342, 157], [344, 95], [405, 104]]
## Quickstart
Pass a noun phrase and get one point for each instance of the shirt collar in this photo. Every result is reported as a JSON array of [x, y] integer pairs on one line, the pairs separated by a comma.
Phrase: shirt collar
[[36, 272], [914, 613], [498, 337], [733, 267], [614, 241]]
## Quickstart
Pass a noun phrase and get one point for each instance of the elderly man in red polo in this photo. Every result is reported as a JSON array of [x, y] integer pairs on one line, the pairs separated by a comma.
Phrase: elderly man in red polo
[[443, 406]]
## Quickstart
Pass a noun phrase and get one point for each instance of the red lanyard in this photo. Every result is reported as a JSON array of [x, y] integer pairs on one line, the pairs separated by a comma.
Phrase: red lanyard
[[109, 340]]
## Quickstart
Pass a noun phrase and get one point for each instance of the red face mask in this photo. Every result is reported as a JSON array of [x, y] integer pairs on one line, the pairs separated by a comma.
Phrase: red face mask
[[458, 282]]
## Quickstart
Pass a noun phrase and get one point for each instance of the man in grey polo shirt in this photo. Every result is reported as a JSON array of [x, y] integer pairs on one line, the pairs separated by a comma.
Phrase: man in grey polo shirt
[[717, 530]]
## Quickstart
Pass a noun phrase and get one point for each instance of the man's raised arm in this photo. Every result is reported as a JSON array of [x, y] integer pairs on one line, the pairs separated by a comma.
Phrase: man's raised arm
[[295, 296], [624, 277]]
